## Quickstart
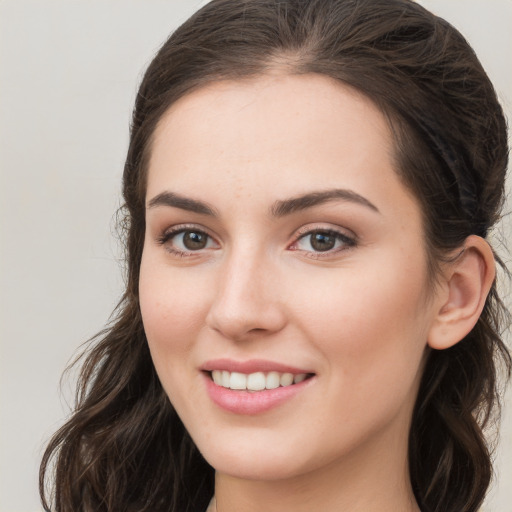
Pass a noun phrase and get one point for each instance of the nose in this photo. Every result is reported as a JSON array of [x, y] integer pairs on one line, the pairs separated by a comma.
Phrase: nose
[[247, 301]]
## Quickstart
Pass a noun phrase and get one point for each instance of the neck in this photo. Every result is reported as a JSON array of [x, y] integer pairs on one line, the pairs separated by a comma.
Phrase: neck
[[375, 479]]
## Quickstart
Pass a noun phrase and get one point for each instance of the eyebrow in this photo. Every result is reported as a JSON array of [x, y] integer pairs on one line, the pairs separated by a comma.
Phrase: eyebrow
[[182, 202], [280, 208], [288, 206]]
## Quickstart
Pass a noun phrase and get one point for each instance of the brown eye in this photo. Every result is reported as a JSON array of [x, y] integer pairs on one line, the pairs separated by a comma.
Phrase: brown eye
[[322, 241], [183, 241], [194, 240]]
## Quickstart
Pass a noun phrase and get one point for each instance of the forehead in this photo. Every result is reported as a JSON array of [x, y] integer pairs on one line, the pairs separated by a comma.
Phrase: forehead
[[273, 108], [280, 135]]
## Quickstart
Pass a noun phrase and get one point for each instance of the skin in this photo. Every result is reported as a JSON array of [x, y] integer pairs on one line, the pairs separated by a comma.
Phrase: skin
[[359, 316]]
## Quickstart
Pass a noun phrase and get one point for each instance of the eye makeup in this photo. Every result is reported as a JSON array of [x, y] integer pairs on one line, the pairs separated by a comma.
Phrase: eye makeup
[[317, 241], [321, 241], [186, 240]]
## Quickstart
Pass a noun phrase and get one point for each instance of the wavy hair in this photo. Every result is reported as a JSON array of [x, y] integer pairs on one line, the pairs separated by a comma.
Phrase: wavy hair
[[124, 447]]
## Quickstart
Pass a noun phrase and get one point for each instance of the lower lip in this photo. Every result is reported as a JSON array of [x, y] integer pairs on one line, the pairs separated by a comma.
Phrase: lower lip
[[252, 402]]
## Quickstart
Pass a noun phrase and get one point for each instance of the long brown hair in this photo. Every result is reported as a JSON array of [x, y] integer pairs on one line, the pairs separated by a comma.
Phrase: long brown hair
[[124, 448]]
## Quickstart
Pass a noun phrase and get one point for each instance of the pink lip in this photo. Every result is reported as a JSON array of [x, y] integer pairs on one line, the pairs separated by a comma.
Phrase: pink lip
[[251, 402], [251, 366]]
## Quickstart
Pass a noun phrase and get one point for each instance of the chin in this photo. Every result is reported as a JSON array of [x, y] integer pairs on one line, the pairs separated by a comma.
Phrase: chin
[[255, 467], [257, 456]]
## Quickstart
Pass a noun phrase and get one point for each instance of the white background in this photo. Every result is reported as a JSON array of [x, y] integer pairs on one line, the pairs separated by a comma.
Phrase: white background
[[68, 77]]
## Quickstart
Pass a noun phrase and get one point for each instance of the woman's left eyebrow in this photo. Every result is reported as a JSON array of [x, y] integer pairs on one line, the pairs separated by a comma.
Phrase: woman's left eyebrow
[[288, 206]]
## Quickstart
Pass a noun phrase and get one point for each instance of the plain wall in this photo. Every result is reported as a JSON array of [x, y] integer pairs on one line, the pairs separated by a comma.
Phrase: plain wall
[[68, 77]]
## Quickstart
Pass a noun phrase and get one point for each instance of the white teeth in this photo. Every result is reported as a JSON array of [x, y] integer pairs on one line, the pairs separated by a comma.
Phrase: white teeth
[[272, 381], [286, 379], [217, 377], [238, 380], [299, 378], [255, 381]]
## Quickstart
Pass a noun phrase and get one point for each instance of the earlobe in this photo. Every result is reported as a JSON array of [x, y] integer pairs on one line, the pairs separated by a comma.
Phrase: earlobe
[[468, 280]]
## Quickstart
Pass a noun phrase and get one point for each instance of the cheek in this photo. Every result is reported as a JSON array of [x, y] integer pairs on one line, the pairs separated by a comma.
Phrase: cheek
[[371, 325], [172, 313]]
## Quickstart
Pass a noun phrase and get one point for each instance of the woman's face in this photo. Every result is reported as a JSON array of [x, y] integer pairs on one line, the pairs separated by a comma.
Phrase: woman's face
[[281, 241]]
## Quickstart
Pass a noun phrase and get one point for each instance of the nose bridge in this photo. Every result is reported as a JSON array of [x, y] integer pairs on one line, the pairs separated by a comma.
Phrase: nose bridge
[[247, 297]]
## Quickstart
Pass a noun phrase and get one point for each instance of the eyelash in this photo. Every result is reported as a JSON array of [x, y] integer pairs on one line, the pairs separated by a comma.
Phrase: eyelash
[[348, 242], [176, 230]]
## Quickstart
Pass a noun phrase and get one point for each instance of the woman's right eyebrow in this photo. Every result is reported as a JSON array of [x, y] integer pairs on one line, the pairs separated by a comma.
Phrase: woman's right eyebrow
[[184, 203]]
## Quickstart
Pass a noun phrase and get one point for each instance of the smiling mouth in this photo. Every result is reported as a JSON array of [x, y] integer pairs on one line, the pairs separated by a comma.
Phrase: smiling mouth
[[257, 381]]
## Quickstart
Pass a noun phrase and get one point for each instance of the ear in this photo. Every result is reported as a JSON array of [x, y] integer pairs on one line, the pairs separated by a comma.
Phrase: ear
[[466, 283]]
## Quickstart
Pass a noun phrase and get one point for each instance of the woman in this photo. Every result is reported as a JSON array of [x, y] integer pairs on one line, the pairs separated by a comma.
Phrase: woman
[[311, 318]]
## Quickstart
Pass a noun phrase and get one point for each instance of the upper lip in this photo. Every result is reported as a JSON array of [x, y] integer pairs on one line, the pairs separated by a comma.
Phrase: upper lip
[[251, 366]]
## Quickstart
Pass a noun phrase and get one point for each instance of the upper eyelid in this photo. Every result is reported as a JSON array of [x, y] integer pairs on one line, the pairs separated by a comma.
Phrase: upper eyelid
[[351, 239], [304, 230], [170, 232], [179, 228], [311, 228], [163, 239]]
